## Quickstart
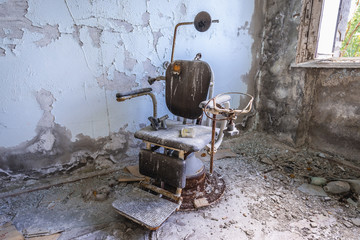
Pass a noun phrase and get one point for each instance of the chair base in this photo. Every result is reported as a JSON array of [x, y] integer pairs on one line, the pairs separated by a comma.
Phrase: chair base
[[208, 186]]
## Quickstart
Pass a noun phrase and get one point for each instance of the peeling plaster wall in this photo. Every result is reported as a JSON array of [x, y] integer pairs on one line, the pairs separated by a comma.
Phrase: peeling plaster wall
[[62, 62], [305, 107]]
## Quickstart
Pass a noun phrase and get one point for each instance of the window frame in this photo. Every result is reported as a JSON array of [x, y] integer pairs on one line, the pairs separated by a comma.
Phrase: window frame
[[308, 37]]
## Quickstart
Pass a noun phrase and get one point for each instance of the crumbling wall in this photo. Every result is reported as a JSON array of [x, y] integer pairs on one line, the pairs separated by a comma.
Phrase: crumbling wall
[[62, 63], [335, 122], [281, 88], [311, 107]]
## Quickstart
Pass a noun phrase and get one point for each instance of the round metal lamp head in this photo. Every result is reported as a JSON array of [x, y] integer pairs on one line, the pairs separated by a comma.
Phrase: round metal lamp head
[[202, 21]]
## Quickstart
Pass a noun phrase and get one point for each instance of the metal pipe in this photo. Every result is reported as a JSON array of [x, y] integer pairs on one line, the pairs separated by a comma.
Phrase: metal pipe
[[175, 31], [222, 127], [154, 104], [212, 143], [174, 39], [211, 93], [153, 98]]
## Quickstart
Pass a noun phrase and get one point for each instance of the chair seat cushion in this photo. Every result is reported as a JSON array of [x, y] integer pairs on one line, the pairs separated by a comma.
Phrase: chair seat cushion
[[171, 137]]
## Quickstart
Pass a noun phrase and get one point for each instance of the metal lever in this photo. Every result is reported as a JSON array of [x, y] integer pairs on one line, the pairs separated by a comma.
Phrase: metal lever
[[157, 123], [152, 80]]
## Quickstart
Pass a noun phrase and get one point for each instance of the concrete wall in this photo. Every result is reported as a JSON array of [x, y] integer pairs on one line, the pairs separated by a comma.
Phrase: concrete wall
[[305, 106], [335, 121], [280, 88], [62, 62]]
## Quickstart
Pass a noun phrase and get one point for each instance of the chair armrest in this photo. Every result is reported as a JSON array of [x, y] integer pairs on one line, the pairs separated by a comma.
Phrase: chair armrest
[[133, 92]]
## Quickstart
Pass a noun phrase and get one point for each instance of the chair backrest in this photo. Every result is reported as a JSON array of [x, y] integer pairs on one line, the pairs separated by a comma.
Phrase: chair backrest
[[187, 85]]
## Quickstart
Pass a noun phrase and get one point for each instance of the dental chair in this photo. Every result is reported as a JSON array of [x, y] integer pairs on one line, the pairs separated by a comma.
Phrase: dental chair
[[175, 177]]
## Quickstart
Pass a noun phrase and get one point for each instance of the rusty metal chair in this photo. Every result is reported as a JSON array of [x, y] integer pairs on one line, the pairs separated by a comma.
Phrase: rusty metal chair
[[168, 159]]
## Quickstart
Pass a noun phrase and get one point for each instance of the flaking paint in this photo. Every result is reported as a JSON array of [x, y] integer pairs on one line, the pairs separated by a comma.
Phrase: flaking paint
[[81, 53]]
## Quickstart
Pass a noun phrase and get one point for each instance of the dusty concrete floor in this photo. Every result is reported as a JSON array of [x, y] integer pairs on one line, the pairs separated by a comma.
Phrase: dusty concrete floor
[[262, 201]]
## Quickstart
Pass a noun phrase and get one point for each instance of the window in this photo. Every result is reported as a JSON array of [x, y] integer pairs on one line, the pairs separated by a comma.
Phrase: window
[[328, 27], [329, 30]]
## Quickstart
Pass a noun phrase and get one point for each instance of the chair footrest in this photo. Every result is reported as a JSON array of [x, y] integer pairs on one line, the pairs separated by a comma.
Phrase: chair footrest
[[144, 208]]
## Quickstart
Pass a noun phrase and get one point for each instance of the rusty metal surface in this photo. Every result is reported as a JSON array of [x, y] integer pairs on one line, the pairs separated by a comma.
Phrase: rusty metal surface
[[174, 38], [162, 167], [196, 181], [212, 143], [186, 89], [133, 92], [213, 189], [144, 208], [202, 23]]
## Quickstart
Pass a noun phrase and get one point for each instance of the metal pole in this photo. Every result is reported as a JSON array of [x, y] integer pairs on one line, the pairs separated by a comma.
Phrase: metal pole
[[174, 39], [212, 143]]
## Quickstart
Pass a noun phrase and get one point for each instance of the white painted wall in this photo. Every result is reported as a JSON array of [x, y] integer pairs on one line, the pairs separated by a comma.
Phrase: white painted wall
[[84, 52]]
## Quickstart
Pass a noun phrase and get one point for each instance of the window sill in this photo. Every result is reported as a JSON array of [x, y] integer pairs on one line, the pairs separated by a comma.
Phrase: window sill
[[329, 63]]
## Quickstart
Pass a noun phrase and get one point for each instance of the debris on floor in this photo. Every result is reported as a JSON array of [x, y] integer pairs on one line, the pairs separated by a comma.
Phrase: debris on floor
[[201, 202], [337, 187], [269, 195]]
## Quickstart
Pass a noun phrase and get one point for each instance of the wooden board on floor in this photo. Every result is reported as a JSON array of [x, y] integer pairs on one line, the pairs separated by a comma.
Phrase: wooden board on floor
[[47, 237], [134, 170], [9, 232], [130, 179]]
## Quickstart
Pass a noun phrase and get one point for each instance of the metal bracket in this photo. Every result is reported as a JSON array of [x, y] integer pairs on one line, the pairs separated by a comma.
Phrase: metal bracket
[[157, 123]]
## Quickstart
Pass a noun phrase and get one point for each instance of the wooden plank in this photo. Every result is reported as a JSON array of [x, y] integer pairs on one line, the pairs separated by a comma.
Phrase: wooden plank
[[134, 170], [9, 232], [164, 192], [146, 142], [47, 237], [130, 179], [57, 182]]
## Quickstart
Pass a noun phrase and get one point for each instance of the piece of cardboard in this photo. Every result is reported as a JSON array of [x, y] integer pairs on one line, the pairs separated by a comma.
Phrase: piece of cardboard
[[9, 232], [134, 170], [201, 202]]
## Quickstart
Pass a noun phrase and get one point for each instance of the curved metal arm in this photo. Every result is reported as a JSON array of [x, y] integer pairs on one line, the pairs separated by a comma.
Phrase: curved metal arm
[[120, 97], [175, 31], [230, 113], [215, 108], [152, 80]]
